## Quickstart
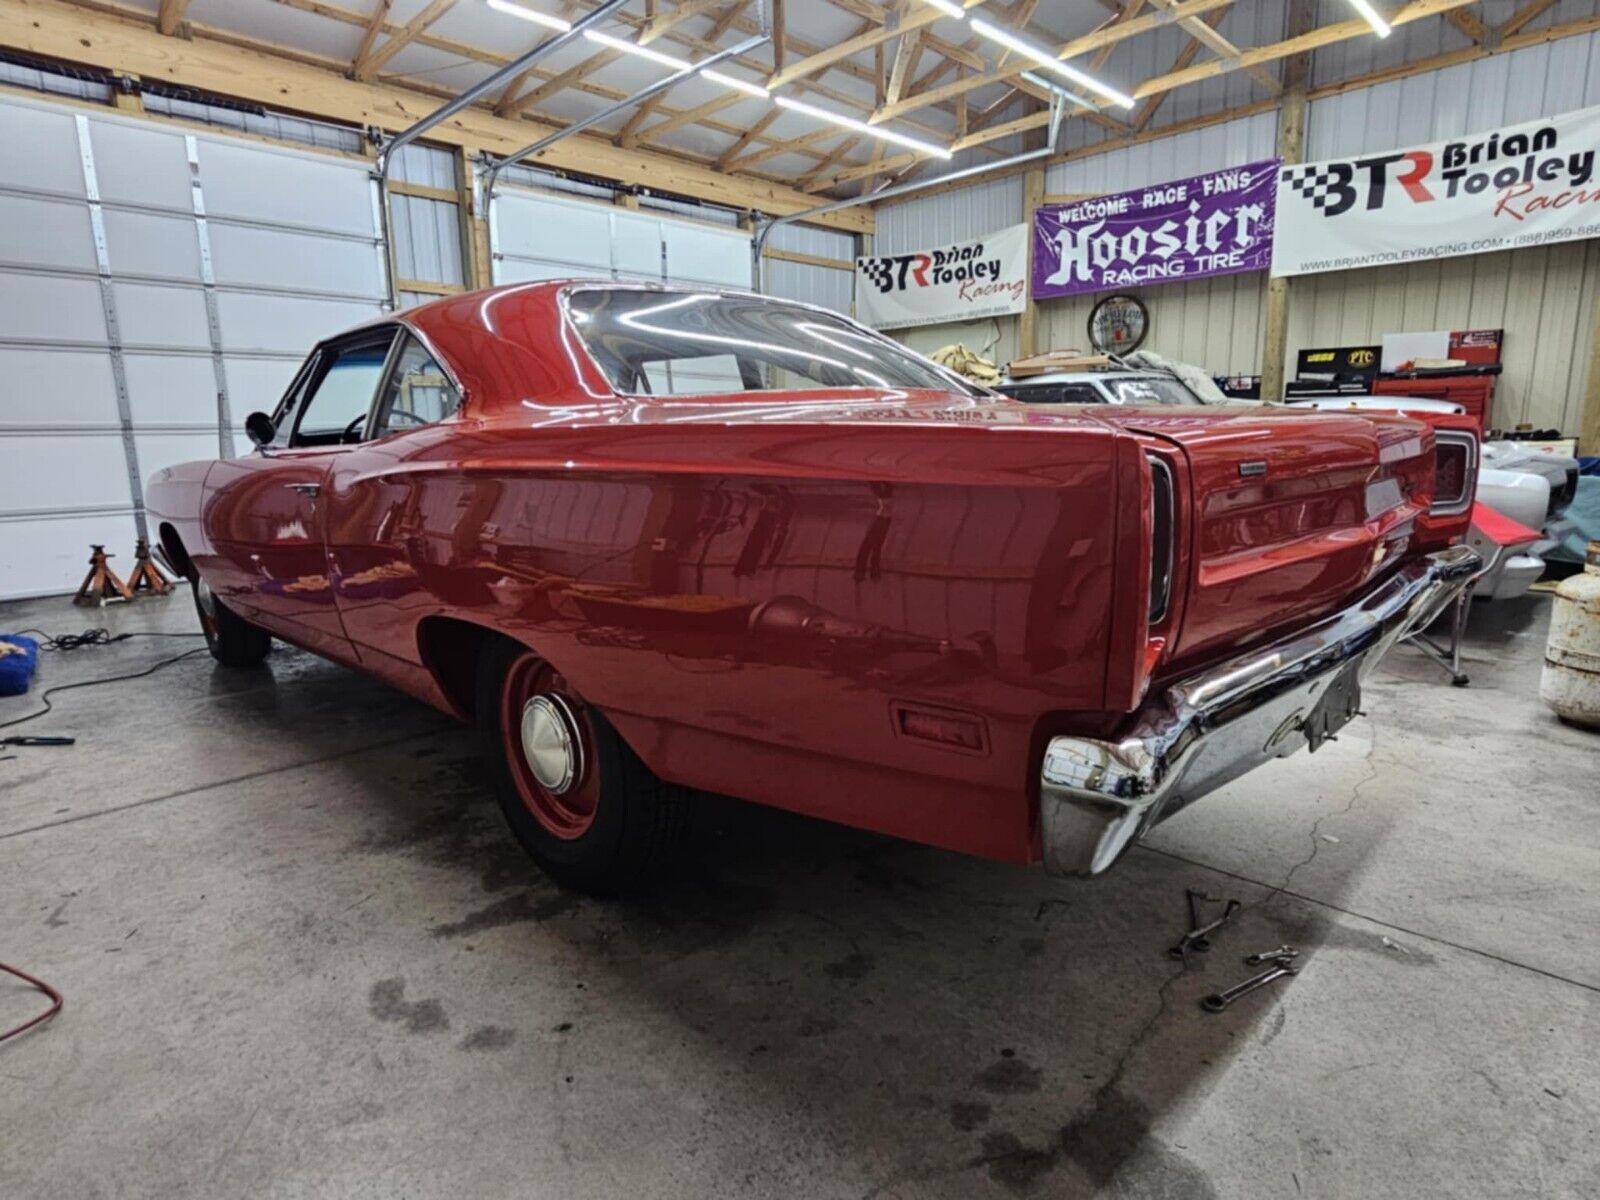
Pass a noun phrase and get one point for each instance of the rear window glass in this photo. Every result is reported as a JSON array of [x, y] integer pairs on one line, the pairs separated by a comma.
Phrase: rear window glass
[[1145, 390], [684, 343]]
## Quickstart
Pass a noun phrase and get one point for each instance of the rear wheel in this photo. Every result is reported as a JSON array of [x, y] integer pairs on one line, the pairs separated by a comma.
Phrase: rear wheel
[[232, 640], [575, 795]]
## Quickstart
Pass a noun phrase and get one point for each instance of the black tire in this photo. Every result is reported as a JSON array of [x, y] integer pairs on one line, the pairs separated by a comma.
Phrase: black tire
[[232, 640], [635, 823]]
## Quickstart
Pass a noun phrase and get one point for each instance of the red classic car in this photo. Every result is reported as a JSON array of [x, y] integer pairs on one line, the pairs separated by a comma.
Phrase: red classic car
[[656, 541]]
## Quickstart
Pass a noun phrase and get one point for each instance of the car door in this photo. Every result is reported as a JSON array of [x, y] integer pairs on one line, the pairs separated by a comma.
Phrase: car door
[[385, 503], [265, 515]]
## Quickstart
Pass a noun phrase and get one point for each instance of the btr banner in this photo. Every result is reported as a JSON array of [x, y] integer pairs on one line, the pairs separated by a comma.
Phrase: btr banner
[[1214, 224], [963, 282], [1524, 185]]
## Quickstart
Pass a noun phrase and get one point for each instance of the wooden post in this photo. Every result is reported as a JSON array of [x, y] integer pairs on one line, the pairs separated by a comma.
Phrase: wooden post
[[1291, 143], [1589, 419], [1028, 323], [474, 225]]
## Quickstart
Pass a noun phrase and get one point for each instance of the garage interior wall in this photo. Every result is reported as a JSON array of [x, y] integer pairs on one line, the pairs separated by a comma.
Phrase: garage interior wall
[[1543, 297]]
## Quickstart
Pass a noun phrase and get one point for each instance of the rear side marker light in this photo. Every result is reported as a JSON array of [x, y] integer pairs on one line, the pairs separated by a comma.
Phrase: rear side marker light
[[952, 730]]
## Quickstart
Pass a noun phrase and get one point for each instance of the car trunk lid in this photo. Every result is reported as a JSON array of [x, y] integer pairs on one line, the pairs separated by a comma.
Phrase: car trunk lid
[[1291, 513]]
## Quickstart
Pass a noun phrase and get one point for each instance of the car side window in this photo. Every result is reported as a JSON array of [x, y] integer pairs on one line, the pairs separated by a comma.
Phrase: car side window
[[334, 409], [419, 392]]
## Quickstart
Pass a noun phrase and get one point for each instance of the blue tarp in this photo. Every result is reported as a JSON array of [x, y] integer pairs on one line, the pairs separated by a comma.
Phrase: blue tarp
[[1580, 524]]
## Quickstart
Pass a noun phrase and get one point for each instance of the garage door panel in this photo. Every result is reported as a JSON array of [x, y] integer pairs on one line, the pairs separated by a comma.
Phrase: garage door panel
[[251, 183], [554, 231], [285, 323], [706, 256], [243, 256], [152, 315], [636, 246], [56, 387], [257, 384], [46, 233], [171, 389], [50, 308], [139, 164], [41, 149], [139, 243], [158, 451], [48, 556], [54, 471], [515, 270]]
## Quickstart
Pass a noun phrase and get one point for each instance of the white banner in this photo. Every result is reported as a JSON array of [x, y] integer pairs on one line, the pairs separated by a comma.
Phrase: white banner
[[1524, 185], [963, 282]]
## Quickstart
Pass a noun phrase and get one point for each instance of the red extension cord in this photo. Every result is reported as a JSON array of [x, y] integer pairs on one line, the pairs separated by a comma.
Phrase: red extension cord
[[55, 1002]]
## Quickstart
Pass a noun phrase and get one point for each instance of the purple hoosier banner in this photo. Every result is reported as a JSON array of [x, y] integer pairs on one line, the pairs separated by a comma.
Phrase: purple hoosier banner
[[1213, 224]]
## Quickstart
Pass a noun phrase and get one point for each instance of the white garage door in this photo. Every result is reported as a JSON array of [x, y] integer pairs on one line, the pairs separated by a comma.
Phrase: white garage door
[[535, 236], [155, 288]]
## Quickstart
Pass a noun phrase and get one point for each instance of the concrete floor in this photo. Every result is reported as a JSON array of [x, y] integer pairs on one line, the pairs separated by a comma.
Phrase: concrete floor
[[302, 958]]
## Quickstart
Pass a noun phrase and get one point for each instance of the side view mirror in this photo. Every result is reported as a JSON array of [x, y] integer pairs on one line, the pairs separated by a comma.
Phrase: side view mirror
[[260, 428]]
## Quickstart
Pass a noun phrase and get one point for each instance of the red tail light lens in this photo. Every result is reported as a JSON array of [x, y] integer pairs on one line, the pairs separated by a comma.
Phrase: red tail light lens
[[1455, 454]]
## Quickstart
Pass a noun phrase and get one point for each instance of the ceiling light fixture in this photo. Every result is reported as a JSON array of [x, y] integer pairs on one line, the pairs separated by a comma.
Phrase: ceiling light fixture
[[1055, 89], [738, 85], [948, 7], [616, 43], [877, 131], [1045, 59], [528, 14], [1374, 18]]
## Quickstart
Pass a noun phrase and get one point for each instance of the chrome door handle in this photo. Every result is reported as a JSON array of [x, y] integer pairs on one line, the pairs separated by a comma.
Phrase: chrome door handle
[[305, 489]]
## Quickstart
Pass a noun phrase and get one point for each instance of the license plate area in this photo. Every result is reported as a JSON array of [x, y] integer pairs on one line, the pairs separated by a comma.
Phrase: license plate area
[[1339, 702]]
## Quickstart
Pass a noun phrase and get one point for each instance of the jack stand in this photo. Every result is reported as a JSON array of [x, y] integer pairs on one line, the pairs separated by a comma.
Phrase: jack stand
[[146, 576], [101, 585], [1449, 657]]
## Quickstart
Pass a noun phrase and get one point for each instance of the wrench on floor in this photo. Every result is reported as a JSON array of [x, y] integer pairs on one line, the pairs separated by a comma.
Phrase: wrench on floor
[[1196, 939], [1218, 1001], [1255, 960]]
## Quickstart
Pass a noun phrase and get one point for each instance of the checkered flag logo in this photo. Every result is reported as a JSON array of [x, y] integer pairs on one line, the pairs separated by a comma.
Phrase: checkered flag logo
[[1314, 183], [880, 271]]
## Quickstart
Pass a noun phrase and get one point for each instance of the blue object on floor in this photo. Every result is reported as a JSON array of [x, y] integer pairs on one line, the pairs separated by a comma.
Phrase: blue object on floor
[[19, 659]]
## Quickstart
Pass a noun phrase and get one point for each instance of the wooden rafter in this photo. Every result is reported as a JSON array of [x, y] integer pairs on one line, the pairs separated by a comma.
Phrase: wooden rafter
[[1205, 31], [1326, 35], [851, 46], [628, 134], [725, 162], [380, 16], [1528, 12], [1104, 36], [368, 66], [170, 15]]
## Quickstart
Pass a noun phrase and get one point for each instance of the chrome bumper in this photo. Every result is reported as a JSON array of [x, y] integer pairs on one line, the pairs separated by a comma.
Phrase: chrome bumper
[[1097, 797]]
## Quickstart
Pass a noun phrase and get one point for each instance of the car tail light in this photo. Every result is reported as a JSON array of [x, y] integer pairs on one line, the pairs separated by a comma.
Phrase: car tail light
[[1455, 453], [1161, 538]]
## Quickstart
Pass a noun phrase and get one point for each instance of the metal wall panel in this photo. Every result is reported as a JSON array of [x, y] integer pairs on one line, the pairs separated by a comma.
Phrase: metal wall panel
[[823, 286], [969, 212]]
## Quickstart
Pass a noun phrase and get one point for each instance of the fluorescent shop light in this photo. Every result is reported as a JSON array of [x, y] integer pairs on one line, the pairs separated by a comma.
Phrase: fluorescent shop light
[[528, 14], [616, 43], [1045, 59], [948, 7], [1374, 18], [887, 135], [738, 85], [1055, 89]]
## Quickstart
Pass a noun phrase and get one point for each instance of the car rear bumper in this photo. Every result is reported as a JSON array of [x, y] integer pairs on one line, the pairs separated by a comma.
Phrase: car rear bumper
[[1097, 797]]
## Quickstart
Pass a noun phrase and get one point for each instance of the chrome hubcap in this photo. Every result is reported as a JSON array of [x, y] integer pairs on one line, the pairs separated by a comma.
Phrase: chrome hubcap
[[208, 602], [550, 743]]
